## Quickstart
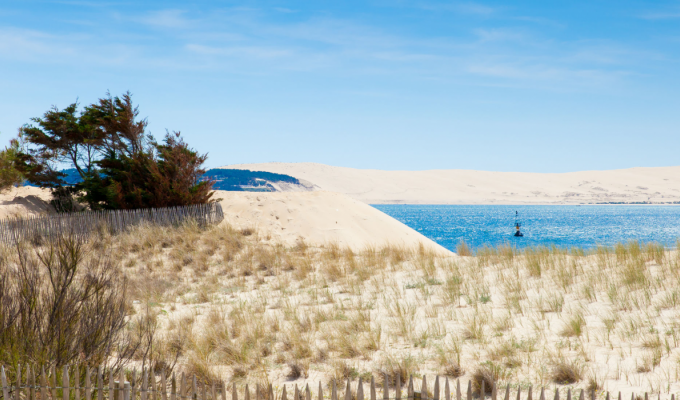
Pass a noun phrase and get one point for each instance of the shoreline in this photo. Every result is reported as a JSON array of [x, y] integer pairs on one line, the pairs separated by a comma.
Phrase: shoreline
[[527, 204]]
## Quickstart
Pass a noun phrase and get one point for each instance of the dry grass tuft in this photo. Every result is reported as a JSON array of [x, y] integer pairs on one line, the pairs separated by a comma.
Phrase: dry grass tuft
[[488, 373], [566, 372], [462, 249], [453, 370]]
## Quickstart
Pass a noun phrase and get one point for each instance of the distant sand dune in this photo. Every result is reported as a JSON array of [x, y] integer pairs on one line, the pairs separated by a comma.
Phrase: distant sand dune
[[655, 185]]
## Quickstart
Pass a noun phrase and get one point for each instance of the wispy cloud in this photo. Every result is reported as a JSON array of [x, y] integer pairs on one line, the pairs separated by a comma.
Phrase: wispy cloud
[[242, 40], [662, 14], [166, 19], [240, 51], [470, 8]]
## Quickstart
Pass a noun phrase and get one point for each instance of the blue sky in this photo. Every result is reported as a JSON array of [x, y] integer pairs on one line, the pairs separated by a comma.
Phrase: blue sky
[[539, 86]]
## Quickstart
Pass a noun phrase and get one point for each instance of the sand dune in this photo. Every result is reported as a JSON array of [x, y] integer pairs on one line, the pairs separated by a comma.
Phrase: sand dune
[[656, 185], [318, 217]]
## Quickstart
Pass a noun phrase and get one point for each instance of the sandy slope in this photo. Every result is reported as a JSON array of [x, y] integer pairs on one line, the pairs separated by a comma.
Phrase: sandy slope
[[318, 217], [25, 200], [658, 185]]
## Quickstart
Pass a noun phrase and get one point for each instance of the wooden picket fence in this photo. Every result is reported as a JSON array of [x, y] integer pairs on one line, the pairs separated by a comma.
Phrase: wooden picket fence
[[83, 224], [88, 384]]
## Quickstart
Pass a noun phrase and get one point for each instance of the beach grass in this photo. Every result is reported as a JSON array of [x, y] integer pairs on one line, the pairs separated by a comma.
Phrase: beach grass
[[232, 304]]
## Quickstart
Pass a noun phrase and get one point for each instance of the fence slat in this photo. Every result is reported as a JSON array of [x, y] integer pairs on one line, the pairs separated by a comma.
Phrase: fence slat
[[373, 388], [76, 383], [423, 388], [133, 384], [100, 383], [410, 387], [53, 380], [173, 388], [88, 384], [43, 384], [17, 392], [360, 389], [65, 383], [145, 384], [164, 393], [5, 388], [82, 224], [398, 387]]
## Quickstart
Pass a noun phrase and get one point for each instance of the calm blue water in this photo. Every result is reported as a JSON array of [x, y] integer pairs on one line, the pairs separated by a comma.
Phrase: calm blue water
[[563, 226]]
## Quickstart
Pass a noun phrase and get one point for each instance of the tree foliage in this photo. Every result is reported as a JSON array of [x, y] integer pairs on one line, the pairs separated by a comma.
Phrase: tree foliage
[[121, 166], [10, 176]]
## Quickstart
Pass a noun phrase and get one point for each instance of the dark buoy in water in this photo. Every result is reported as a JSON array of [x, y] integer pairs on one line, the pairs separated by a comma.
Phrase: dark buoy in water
[[518, 233]]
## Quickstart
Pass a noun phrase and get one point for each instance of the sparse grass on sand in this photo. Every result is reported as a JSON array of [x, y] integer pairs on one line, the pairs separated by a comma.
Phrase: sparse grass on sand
[[239, 307]]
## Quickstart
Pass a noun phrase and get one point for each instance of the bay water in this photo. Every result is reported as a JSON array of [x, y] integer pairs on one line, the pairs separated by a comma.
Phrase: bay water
[[562, 226]]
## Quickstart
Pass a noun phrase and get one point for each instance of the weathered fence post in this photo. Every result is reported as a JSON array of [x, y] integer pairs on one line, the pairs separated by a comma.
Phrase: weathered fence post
[[5, 388], [100, 383], [133, 385], [76, 382], [43, 383], [398, 388], [88, 384], [17, 392], [386, 386]]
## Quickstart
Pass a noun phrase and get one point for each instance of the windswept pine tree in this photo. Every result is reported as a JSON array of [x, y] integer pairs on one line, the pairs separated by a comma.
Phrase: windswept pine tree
[[121, 166]]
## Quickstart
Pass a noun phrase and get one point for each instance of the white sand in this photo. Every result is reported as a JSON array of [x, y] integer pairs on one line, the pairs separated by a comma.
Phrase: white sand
[[658, 185], [318, 217]]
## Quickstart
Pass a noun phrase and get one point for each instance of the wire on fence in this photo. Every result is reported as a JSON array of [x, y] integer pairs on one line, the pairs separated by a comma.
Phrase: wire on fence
[[83, 224], [88, 384]]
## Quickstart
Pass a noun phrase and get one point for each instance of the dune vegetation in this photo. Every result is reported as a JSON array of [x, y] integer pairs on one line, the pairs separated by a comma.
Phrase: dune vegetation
[[233, 305]]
